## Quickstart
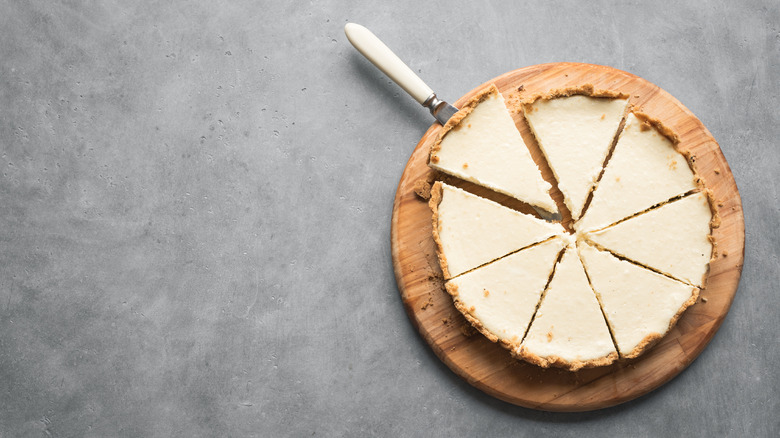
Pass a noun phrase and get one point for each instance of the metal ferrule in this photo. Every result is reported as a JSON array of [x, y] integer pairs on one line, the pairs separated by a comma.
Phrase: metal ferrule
[[432, 103]]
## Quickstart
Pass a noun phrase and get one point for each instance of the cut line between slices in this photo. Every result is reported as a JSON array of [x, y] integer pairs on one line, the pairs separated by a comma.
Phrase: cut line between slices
[[639, 213], [541, 242], [634, 262], [601, 304]]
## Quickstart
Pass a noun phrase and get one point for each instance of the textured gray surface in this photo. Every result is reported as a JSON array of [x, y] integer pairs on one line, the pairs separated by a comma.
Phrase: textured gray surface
[[195, 208]]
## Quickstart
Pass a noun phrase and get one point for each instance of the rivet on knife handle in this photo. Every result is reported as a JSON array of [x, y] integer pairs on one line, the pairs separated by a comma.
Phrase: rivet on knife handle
[[383, 58]]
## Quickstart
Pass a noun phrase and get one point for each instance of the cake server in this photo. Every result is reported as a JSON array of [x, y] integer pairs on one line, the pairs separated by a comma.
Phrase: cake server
[[384, 59]]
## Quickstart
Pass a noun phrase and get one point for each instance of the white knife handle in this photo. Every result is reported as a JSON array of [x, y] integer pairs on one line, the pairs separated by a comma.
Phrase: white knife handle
[[381, 56]]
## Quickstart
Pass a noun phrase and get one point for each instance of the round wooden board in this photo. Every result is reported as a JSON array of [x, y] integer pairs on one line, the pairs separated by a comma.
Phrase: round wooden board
[[488, 366]]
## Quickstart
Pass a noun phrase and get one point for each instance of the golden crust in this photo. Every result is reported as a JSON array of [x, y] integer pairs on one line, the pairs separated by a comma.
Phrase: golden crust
[[714, 223], [645, 344], [558, 362], [660, 127], [454, 121], [436, 194], [583, 90]]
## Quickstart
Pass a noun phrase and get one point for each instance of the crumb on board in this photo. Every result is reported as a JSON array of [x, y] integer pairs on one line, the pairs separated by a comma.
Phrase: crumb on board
[[486, 293], [549, 336], [427, 303], [423, 189], [465, 165], [717, 171], [521, 88], [467, 330], [724, 253], [703, 299]]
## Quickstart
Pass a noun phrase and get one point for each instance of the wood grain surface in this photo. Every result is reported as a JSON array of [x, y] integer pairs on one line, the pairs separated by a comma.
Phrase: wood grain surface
[[488, 366]]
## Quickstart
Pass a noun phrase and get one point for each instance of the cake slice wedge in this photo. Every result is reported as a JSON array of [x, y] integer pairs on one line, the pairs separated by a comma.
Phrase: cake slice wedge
[[470, 231], [500, 298], [645, 169], [640, 305], [575, 129], [673, 239], [481, 144], [569, 330]]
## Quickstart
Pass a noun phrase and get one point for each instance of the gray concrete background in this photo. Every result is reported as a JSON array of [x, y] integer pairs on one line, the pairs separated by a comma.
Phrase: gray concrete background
[[195, 208]]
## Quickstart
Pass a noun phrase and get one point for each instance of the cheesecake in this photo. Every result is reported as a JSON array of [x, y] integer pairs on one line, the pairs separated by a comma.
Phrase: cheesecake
[[645, 169], [568, 330], [635, 258], [500, 298], [640, 305], [575, 129], [481, 144], [471, 231], [674, 239]]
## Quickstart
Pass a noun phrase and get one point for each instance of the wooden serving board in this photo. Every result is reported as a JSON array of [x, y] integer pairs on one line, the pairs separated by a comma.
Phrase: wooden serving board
[[488, 366]]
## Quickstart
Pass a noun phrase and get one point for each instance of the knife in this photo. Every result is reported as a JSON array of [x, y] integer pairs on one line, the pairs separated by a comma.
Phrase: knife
[[384, 59]]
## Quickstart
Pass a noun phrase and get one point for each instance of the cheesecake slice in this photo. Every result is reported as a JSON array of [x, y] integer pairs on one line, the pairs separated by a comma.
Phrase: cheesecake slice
[[645, 169], [569, 330], [640, 305], [470, 230], [673, 239], [500, 298], [481, 144], [575, 129]]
